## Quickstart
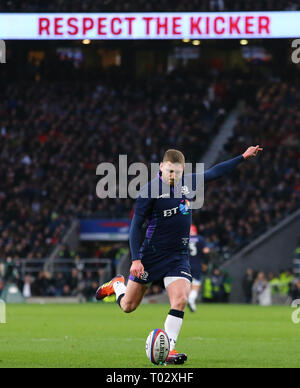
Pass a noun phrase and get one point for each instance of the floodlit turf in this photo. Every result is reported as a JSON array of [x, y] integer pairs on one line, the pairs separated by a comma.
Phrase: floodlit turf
[[100, 335]]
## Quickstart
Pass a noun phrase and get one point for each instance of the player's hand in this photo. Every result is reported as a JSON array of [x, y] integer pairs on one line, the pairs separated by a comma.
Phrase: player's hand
[[137, 268], [252, 152]]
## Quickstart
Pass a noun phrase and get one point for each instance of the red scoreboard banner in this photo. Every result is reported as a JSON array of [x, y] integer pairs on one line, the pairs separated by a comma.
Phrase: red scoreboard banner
[[220, 25]]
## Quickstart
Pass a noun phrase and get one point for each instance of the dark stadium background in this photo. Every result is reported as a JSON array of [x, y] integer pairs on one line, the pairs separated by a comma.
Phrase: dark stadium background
[[66, 106]]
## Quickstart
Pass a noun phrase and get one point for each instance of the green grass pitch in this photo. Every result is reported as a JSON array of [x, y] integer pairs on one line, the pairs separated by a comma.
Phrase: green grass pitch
[[101, 336]]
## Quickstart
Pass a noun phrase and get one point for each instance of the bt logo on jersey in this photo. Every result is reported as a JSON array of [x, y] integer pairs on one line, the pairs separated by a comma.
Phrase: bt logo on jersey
[[170, 212], [184, 208]]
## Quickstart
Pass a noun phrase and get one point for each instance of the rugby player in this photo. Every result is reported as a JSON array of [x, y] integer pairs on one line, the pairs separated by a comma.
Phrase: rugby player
[[198, 249], [164, 253]]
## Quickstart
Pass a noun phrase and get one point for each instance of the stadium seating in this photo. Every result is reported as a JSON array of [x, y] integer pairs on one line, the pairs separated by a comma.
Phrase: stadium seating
[[54, 134], [261, 192], [146, 6]]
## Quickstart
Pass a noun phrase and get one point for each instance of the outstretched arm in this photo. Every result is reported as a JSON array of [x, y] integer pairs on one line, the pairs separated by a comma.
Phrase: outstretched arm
[[224, 168]]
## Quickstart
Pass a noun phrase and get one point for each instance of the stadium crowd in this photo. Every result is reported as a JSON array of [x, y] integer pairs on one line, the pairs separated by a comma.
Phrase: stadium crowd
[[261, 288], [54, 134], [75, 282], [58, 285], [257, 195], [82, 281], [147, 6]]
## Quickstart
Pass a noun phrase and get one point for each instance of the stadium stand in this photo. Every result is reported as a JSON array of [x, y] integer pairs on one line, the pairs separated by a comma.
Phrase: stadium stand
[[147, 6], [258, 195], [54, 134], [48, 176]]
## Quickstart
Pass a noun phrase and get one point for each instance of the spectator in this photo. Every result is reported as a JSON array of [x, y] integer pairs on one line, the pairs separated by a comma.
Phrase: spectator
[[227, 281], [26, 289], [217, 281], [155, 289], [41, 284], [101, 276], [74, 281], [9, 272], [286, 278], [1, 286], [261, 291], [89, 291], [88, 279], [295, 289], [248, 281], [60, 283], [67, 291], [275, 284], [2, 269], [65, 253]]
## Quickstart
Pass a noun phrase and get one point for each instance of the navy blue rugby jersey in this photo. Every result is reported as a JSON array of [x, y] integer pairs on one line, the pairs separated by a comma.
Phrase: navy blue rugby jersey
[[169, 215], [169, 220], [196, 246]]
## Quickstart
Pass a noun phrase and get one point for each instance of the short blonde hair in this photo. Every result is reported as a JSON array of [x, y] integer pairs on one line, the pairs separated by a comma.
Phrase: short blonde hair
[[174, 156]]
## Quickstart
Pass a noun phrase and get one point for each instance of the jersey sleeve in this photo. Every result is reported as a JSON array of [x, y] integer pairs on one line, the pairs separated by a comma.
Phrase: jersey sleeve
[[143, 211], [222, 169], [215, 172]]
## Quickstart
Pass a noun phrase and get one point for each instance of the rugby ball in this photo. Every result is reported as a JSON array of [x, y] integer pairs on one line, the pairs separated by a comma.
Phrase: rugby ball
[[157, 346]]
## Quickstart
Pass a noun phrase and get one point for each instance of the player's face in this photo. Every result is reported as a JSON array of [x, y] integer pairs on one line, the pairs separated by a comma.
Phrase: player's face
[[171, 172]]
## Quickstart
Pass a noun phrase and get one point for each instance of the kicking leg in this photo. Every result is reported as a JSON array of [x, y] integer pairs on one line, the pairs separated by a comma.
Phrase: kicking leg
[[128, 297], [131, 296]]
